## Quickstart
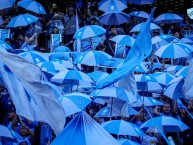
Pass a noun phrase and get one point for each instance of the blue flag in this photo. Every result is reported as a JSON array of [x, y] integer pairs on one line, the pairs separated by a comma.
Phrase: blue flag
[[32, 98], [140, 50]]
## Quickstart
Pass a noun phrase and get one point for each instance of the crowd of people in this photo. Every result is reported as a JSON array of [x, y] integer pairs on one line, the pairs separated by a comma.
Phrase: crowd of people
[[62, 20]]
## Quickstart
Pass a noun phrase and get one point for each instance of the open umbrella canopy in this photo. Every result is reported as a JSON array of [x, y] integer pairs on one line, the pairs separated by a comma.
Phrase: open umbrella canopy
[[121, 127], [84, 130], [163, 77], [97, 75], [62, 49], [34, 56], [167, 123], [182, 72], [74, 102], [162, 37], [145, 78], [22, 20], [6, 134], [141, 2], [57, 65], [112, 112], [147, 101], [32, 6], [5, 45], [168, 18], [124, 40], [139, 14], [71, 76], [59, 56], [6, 4], [92, 58], [138, 27], [89, 31], [114, 92], [112, 5], [114, 18], [190, 13], [174, 50], [126, 142]]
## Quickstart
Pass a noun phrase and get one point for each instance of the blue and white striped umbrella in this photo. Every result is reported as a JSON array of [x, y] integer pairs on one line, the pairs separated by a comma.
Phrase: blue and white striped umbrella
[[112, 112], [141, 2], [32, 6], [162, 37], [190, 13], [70, 76], [112, 5], [139, 14], [163, 77], [114, 18], [124, 40], [137, 28], [5, 45], [149, 87], [6, 4], [6, 134], [57, 65], [62, 49], [114, 92], [34, 56], [140, 68], [22, 20], [88, 32], [174, 50], [174, 90], [126, 142], [166, 123], [97, 75], [174, 68], [145, 78], [121, 127], [186, 41], [182, 72], [168, 18], [147, 101], [59, 56], [92, 58], [74, 102]]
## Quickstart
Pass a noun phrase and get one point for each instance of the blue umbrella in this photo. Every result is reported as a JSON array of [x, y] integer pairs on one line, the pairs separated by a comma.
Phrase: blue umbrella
[[145, 78], [89, 31], [190, 12], [141, 2], [114, 92], [97, 75], [114, 18], [147, 101], [124, 40], [121, 127], [182, 72], [70, 76], [112, 5], [92, 58], [84, 130], [57, 65], [5, 45], [59, 56], [162, 37], [34, 56], [150, 87], [112, 112], [139, 14], [174, 68], [163, 77], [138, 27], [167, 123], [174, 50], [186, 41], [62, 49], [126, 142], [22, 20], [74, 102], [168, 18], [32, 6], [6, 4]]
